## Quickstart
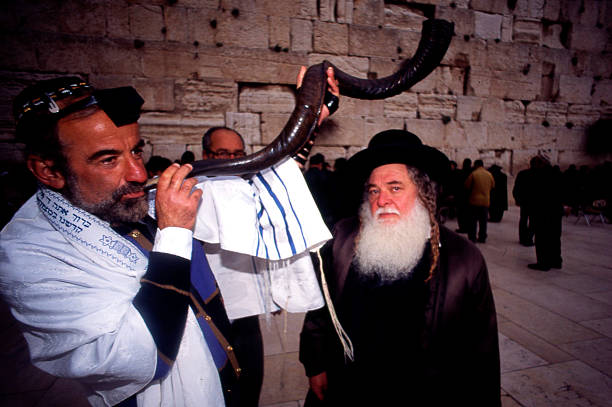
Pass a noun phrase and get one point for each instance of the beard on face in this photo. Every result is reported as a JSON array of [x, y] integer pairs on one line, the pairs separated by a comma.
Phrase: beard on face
[[391, 250], [113, 209]]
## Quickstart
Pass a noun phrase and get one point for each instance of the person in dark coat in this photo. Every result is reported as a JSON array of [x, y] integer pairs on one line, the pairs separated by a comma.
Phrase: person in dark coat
[[523, 195], [318, 179], [413, 301], [499, 194], [546, 212], [462, 197]]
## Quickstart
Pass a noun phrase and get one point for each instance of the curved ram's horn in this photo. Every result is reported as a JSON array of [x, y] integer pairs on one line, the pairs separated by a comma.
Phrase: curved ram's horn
[[435, 39]]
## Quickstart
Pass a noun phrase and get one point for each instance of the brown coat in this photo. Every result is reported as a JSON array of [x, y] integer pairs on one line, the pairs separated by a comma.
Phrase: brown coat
[[459, 340]]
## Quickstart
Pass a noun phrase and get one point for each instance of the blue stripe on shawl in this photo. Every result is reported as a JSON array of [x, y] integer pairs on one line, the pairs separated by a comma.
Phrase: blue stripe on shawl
[[282, 210], [203, 282], [291, 206]]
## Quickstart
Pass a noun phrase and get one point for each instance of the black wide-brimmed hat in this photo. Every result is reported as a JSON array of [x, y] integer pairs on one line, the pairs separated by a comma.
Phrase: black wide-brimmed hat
[[399, 147]]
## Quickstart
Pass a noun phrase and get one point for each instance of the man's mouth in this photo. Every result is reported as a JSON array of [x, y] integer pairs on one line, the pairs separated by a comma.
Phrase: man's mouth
[[133, 195]]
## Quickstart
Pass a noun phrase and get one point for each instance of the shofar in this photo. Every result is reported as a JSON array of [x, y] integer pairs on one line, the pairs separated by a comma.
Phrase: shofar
[[435, 40]]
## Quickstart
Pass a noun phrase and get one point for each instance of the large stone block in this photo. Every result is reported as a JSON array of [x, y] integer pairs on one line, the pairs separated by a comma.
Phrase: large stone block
[[476, 135], [528, 31], [469, 108], [582, 115], [344, 132], [374, 125], [247, 124], [350, 107], [538, 136], [297, 8], [479, 82], [355, 66], [247, 30], [206, 96], [493, 110], [280, 32], [433, 106], [603, 93], [369, 12], [366, 41], [574, 89], [271, 126], [201, 23], [570, 139], [462, 18], [177, 23], [267, 99], [514, 111], [146, 22], [331, 38], [556, 114], [490, 6], [18, 53], [301, 35], [507, 26], [552, 10], [535, 112], [408, 43], [437, 134], [551, 36], [487, 26], [158, 94], [403, 105], [403, 17], [589, 38], [505, 135]]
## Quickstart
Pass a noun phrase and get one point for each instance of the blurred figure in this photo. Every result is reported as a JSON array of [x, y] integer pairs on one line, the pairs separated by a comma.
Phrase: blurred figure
[[499, 194], [462, 197], [156, 165], [187, 158], [318, 180], [478, 186]]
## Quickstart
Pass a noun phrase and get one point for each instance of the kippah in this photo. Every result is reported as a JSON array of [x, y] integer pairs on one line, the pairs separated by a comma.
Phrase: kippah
[[41, 98]]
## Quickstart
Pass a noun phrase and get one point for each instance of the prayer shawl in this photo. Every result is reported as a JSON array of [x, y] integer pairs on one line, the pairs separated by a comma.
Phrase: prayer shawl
[[73, 293], [258, 234]]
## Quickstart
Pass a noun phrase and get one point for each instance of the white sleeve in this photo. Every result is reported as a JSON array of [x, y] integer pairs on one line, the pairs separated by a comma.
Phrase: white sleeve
[[173, 240]]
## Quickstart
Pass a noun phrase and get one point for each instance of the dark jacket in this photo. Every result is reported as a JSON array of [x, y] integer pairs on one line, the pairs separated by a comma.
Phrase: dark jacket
[[459, 341]]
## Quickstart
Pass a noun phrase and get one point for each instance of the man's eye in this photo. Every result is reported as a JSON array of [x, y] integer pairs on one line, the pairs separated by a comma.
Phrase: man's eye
[[108, 160], [372, 191], [395, 189], [137, 152]]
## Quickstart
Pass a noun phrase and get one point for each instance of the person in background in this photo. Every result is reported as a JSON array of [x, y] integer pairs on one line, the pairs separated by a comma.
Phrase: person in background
[[478, 186], [523, 192], [462, 197], [217, 143], [499, 194]]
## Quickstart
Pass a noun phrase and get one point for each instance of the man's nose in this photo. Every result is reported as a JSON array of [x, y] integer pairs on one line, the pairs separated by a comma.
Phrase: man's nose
[[136, 171], [383, 199]]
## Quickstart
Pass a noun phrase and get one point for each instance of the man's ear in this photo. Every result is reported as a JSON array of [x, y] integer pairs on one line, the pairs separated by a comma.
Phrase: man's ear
[[44, 170]]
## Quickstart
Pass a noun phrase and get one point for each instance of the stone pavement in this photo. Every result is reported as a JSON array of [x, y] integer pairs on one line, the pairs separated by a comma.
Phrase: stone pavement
[[555, 328]]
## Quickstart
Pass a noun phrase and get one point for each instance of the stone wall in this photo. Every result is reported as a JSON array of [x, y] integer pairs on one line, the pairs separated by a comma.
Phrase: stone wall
[[520, 77]]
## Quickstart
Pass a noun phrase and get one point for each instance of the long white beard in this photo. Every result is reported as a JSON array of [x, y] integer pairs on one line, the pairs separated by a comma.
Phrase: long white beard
[[391, 251]]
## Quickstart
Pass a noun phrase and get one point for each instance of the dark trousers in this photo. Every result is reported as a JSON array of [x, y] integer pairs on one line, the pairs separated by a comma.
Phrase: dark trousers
[[525, 227], [248, 346], [547, 228], [478, 217]]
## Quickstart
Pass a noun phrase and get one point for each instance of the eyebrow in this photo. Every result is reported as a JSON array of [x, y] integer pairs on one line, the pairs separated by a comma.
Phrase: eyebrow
[[102, 153], [386, 183]]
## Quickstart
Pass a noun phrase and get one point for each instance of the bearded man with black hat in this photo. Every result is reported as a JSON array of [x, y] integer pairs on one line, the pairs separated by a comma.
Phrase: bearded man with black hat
[[412, 313]]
